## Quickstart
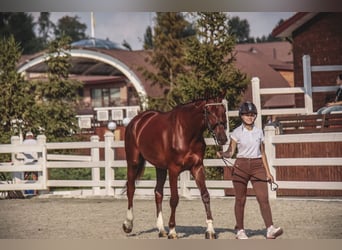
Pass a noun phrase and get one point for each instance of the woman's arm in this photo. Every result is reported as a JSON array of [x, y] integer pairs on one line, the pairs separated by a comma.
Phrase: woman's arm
[[230, 151], [265, 162], [334, 103]]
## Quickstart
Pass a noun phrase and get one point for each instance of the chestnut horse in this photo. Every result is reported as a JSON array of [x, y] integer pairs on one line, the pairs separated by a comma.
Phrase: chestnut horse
[[173, 141]]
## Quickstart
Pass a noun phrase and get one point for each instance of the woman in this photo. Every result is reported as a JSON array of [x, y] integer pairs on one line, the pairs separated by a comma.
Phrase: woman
[[336, 105], [250, 165]]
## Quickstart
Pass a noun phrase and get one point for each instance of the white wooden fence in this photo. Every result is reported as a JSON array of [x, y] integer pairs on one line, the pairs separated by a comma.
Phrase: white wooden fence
[[187, 187]]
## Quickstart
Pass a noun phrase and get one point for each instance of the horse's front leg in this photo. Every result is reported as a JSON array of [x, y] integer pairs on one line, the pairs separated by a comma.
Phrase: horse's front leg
[[159, 193], [199, 176], [173, 176]]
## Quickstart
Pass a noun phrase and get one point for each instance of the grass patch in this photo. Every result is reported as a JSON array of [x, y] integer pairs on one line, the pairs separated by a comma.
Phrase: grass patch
[[149, 174]]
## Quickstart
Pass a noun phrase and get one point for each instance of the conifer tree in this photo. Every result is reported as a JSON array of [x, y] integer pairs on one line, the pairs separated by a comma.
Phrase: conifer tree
[[167, 55], [16, 95], [210, 58], [56, 98]]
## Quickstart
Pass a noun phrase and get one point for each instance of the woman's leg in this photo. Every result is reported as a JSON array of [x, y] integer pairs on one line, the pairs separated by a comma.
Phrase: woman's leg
[[261, 192], [260, 188], [240, 201], [240, 180]]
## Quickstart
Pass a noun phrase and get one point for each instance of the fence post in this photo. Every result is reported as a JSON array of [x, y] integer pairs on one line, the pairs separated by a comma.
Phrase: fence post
[[16, 176], [109, 158], [270, 132], [307, 84], [225, 104], [42, 159], [95, 157], [256, 99]]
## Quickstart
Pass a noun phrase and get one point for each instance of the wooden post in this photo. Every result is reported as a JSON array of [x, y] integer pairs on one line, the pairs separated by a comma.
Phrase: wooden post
[[42, 159], [16, 176], [109, 157], [307, 84], [257, 100], [270, 132], [225, 104], [95, 157]]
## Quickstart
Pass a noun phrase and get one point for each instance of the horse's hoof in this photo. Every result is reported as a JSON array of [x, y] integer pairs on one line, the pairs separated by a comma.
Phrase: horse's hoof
[[126, 229], [162, 234], [210, 235], [172, 236]]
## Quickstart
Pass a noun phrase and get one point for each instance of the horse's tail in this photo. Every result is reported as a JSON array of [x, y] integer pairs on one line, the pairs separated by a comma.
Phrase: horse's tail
[[139, 172]]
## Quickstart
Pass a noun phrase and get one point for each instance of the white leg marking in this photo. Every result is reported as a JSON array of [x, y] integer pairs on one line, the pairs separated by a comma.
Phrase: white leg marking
[[129, 214], [210, 227], [160, 222], [172, 231], [129, 218]]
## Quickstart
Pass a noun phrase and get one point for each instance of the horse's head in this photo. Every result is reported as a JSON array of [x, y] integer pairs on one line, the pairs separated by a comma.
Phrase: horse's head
[[216, 121]]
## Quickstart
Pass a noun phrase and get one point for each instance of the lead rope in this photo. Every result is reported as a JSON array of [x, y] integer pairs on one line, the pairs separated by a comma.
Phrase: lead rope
[[273, 185]]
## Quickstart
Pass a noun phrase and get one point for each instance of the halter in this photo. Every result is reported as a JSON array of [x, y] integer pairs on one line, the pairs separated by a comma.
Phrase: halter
[[209, 126]]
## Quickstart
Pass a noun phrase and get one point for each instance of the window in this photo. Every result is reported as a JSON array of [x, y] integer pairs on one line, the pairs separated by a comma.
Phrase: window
[[105, 97]]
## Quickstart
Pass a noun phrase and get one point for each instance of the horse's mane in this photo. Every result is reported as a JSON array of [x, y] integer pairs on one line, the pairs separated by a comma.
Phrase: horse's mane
[[205, 98]]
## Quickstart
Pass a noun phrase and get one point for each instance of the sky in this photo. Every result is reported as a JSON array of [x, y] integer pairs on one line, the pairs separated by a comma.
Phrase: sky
[[131, 26]]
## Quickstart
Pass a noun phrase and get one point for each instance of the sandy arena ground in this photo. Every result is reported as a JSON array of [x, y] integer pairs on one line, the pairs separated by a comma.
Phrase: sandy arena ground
[[101, 218]]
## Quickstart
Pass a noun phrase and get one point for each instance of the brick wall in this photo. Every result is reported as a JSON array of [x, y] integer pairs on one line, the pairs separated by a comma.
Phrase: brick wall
[[321, 38]]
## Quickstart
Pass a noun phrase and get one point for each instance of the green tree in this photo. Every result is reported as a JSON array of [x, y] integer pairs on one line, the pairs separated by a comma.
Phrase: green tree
[[72, 27], [56, 98], [210, 56], [16, 93], [210, 60], [21, 26], [148, 39], [167, 55], [45, 28], [239, 29]]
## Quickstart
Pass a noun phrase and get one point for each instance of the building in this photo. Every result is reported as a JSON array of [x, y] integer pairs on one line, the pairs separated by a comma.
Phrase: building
[[113, 79], [319, 35]]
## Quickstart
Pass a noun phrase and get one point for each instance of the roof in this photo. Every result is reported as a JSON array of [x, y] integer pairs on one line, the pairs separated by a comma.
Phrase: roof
[[276, 54], [257, 60], [269, 78], [286, 28], [97, 43]]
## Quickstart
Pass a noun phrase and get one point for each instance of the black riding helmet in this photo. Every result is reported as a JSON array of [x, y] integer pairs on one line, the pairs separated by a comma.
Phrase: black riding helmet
[[247, 107]]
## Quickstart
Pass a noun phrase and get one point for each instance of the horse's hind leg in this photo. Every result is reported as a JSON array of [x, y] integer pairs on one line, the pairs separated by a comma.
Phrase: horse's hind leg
[[173, 178], [159, 193], [134, 170], [199, 176], [130, 189]]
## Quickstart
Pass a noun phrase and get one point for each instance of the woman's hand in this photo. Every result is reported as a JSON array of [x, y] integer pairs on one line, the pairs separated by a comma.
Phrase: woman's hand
[[270, 178], [225, 154]]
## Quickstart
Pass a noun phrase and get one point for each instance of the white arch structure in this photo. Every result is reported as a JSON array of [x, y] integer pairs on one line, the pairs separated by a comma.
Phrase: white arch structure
[[102, 58]]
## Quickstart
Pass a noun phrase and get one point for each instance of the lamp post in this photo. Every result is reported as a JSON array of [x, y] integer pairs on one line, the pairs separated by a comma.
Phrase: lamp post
[[125, 121], [111, 126]]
